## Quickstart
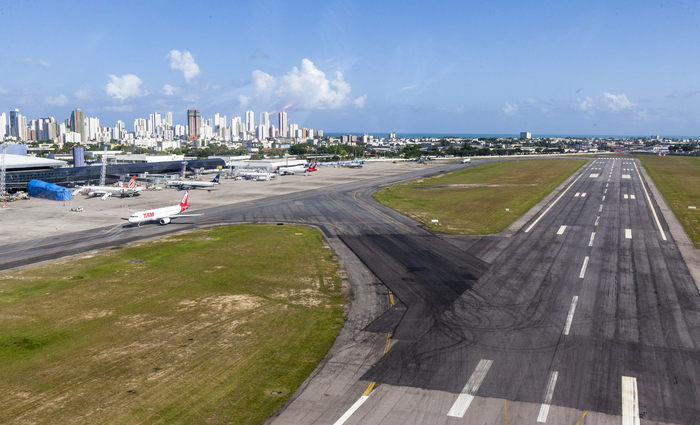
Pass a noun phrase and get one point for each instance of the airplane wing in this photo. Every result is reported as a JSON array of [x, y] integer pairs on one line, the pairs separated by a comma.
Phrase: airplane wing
[[184, 215]]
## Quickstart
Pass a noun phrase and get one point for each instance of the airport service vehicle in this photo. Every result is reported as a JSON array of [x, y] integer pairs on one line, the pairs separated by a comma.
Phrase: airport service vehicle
[[466, 160], [192, 184], [105, 192], [161, 215], [298, 169], [77, 209]]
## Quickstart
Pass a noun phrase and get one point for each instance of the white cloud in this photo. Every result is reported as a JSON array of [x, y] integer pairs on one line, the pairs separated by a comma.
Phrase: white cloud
[[360, 101], [183, 61], [510, 109], [309, 88], [244, 100], [30, 61], [263, 84], [44, 63], [59, 100], [125, 87], [585, 104], [617, 102], [408, 87], [83, 93], [169, 90]]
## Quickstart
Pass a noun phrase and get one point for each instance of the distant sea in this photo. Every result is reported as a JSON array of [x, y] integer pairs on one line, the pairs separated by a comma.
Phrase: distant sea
[[476, 136]]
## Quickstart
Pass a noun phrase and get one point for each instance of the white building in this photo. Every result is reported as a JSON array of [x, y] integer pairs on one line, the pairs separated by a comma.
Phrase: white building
[[249, 121], [282, 117], [525, 135]]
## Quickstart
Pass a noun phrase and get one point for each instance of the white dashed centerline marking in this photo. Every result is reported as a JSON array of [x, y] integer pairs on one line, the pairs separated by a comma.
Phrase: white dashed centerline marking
[[601, 208], [570, 316], [459, 408], [544, 409], [561, 230], [590, 242], [583, 268], [606, 191], [577, 194], [597, 219], [583, 195], [630, 401], [603, 200], [628, 233], [632, 196]]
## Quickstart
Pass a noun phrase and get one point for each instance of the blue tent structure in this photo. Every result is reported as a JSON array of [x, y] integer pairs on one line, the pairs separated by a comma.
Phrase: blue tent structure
[[41, 189]]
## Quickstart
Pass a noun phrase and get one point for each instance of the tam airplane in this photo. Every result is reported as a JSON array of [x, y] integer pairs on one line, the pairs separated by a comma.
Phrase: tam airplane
[[298, 169], [192, 184], [128, 189], [161, 215]]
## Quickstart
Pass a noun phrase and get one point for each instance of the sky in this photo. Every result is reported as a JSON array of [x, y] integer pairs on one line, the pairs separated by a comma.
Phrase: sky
[[460, 67]]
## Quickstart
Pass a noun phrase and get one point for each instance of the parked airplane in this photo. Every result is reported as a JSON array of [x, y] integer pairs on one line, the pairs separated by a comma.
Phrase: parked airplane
[[161, 215], [466, 160], [192, 184], [298, 169], [129, 189]]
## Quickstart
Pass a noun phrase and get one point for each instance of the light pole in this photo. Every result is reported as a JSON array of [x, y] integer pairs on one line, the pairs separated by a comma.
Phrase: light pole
[[3, 170]]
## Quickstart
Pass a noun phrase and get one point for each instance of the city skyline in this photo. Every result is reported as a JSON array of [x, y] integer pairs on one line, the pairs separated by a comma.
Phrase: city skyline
[[596, 68]]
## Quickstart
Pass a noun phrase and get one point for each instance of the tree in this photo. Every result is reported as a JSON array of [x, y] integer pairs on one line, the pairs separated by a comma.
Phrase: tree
[[299, 149]]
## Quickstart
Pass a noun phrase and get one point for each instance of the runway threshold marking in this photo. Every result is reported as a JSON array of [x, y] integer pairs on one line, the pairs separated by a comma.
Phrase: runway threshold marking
[[630, 401], [632, 197], [570, 315], [544, 409], [583, 195], [561, 230], [628, 233], [553, 203], [583, 268], [460, 406], [577, 194], [658, 223], [590, 242]]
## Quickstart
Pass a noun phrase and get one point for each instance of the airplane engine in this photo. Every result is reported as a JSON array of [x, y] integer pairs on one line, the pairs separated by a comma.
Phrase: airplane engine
[[165, 220]]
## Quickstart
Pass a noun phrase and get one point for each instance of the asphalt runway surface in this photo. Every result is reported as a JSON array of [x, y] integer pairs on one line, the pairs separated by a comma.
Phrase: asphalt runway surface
[[586, 314]]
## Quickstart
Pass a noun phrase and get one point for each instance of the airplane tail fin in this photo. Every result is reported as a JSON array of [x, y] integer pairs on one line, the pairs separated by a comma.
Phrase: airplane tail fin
[[216, 179], [312, 167], [183, 203], [132, 183]]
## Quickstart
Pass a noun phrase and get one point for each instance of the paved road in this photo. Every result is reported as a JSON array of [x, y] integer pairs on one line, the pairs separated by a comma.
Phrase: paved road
[[588, 309]]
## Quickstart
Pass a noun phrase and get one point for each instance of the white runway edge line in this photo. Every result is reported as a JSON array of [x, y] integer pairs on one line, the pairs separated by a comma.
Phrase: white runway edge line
[[658, 224], [583, 268], [553, 203], [353, 408], [544, 409], [630, 401], [561, 230], [459, 408], [570, 316], [590, 242], [628, 233]]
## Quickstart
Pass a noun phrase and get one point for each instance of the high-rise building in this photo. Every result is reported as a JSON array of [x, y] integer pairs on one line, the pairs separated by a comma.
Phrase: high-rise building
[[525, 135], [3, 125], [194, 122], [14, 123], [77, 123], [249, 121], [265, 124], [282, 117], [169, 118]]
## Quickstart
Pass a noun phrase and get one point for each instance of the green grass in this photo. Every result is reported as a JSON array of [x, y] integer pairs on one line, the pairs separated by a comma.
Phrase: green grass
[[481, 207], [218, 326], [678, 179]]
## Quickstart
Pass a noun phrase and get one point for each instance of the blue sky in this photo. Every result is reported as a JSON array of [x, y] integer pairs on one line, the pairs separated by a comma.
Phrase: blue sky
[[364, 66]]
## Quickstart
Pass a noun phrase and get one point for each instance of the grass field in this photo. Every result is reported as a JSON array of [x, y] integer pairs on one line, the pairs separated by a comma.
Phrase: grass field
[[474, 200], [678, 179], [216, 326]]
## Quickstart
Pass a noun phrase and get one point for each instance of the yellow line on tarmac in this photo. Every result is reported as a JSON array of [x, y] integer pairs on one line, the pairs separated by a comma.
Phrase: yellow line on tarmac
[[369, 389], [388, 344], [505, 402], [584, 415], [391, 298]]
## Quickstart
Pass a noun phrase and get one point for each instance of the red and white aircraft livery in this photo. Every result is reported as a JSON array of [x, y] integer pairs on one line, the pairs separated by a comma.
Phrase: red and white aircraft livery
[[299, 169], [130, 189], [162, 215]]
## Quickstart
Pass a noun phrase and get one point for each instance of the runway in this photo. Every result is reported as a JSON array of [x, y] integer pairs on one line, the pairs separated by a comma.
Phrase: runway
[[586, 314]]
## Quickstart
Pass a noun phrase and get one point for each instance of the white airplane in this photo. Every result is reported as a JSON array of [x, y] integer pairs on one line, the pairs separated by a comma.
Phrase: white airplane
[[192, 184], [297, 169], [161, 215], [466, 160], [129, 189], [256, 175]]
